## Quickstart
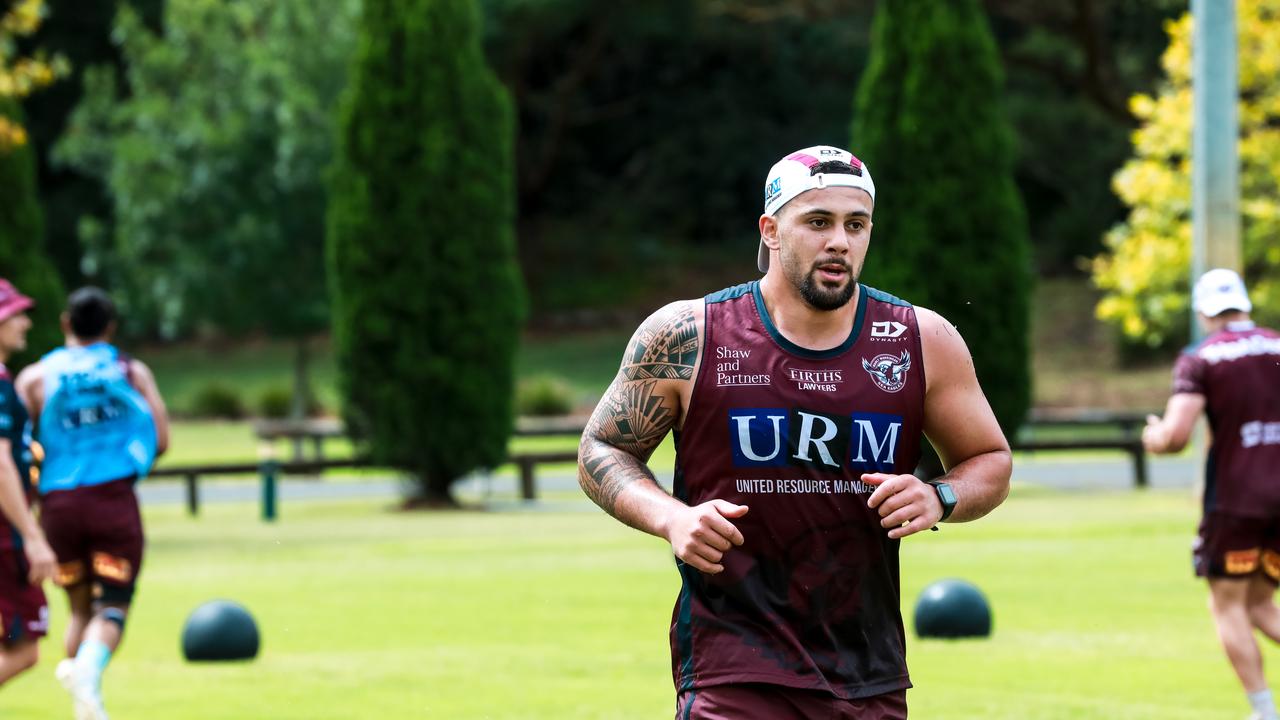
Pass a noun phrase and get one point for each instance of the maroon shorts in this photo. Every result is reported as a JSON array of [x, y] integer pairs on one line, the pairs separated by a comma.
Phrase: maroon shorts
[[96, 532], [777, 702], [1230, 546], [24, 614]]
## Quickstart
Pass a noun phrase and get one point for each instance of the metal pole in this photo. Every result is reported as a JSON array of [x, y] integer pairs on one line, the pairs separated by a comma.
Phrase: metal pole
[[270, 470], [1215, 163], [193, 494]]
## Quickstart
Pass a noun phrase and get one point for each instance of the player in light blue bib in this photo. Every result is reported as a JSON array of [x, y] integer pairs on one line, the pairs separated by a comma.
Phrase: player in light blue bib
[[95, 426], [102, 424]]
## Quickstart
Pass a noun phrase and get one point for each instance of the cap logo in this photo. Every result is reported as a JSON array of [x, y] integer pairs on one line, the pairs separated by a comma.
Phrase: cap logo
[[772, 189]]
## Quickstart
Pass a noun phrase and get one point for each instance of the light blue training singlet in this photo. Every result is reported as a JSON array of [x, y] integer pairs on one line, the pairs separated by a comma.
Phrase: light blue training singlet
[[95, 427]]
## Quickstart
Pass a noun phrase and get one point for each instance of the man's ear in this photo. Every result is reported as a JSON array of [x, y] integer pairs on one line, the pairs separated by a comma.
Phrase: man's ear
[[769, 231]]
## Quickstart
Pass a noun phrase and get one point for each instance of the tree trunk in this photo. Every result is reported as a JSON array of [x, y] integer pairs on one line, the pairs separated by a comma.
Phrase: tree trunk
[[434, 492], [301, 405]]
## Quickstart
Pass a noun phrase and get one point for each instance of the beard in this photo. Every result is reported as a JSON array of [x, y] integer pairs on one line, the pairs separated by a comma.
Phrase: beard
[[822, 298], [816, 294]]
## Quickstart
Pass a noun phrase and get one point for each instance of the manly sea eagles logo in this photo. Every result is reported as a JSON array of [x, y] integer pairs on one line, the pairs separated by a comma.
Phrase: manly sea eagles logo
[[889, 373]]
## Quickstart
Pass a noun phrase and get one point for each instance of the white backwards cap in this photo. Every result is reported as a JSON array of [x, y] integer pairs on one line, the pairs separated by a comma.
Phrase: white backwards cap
[[802, 171]]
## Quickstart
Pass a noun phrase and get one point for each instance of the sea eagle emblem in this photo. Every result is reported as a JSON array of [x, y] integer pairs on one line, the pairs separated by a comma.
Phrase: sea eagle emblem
[[888, 372]]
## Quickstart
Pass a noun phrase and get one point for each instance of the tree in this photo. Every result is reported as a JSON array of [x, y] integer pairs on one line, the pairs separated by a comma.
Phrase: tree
[[21, 75], [80, 32], [214, 162], [1144, 273], [950, 230], [612, 97], [22, 258], [1070, 67], [427, 294]]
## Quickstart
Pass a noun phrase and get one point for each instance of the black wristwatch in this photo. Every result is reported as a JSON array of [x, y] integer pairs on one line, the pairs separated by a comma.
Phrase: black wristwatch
[[946, 496]]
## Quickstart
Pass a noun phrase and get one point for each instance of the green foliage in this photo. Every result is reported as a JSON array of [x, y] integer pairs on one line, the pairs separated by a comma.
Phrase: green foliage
[[1145, 271], [643, 131], [426, 290], [275, 402], [80, 32], [212, 148], [950, 230], [22, 257], [544, 395], [1066, 95], [217, 399]]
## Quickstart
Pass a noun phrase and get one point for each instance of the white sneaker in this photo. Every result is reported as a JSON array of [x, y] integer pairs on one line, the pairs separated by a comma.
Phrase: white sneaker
[[84, 698], [65, 672]]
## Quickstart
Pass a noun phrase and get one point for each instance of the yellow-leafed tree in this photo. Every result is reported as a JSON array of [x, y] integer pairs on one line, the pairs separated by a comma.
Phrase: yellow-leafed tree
[[1145, 271], [21, 75]]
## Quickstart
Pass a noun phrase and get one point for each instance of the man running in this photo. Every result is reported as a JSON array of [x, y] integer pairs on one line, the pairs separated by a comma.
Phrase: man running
[[1233, 376], [102, 423], [799, 402]]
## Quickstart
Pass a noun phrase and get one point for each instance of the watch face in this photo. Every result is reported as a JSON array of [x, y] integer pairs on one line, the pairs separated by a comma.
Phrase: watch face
[[947, 494]]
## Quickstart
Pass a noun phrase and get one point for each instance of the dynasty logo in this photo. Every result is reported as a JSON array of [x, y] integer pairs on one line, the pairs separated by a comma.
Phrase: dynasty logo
[[887, 330]]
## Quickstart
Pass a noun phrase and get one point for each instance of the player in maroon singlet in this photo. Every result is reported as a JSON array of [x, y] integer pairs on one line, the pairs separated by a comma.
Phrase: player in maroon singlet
[[798, 401], [26, 560], [1233, 376]]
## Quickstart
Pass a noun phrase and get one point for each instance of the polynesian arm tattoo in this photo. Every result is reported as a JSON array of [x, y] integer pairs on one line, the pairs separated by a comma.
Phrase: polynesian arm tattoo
[[639, 408]]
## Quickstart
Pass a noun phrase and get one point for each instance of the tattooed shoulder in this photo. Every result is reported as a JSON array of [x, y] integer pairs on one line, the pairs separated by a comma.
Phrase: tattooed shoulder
[[666, 346], [641, 405]]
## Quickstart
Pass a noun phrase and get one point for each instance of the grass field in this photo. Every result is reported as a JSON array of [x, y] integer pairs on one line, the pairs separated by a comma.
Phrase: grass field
[[370, 613]]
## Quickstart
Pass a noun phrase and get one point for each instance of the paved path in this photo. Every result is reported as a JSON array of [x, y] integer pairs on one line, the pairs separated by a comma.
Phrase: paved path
[[1091, 472]]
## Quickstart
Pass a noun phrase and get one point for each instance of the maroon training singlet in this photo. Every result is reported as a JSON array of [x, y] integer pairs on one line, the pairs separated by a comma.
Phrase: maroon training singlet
[[1238, 372], [811, 600]]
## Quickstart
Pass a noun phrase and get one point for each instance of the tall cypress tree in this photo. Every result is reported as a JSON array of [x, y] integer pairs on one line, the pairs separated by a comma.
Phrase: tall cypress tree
[[22, 257], [427, 295], [950, 228]]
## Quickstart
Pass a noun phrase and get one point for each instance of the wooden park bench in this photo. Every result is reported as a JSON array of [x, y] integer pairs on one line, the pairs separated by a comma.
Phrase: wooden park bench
[[527, 461], [268, 471], [1126, 438], [316, 431], [299, 432]]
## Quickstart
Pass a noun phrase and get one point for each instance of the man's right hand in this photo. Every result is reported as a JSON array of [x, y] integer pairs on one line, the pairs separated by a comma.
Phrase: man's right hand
[[702, 534], [41, 560]]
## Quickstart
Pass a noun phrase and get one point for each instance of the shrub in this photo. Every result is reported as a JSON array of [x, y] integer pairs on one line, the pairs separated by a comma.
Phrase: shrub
[[217, 400], [544, 395], [275, 402]]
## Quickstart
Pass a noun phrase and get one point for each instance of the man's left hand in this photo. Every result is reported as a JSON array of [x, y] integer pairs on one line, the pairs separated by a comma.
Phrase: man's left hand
[[907, 504], [1155, 438]]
